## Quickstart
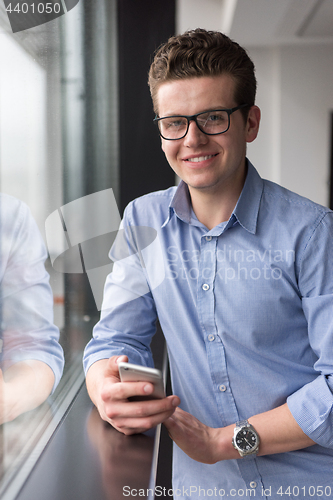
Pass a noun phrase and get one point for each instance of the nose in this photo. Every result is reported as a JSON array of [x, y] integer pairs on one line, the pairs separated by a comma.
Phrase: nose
[[194, 136]]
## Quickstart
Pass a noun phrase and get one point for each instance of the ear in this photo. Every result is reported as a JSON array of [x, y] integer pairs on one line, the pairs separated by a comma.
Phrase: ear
[[252, 124]]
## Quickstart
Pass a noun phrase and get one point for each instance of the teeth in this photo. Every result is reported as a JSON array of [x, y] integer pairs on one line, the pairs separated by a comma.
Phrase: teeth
[[200, 158]]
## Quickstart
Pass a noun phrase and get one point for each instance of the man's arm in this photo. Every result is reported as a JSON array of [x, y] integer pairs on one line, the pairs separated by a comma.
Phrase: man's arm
[[278, 432], [110, 396], [28, 331]]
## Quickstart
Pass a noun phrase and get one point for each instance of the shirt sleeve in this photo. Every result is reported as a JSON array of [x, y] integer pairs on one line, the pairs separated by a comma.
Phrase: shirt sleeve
[[128, 316], [312, 405], [27, 328]]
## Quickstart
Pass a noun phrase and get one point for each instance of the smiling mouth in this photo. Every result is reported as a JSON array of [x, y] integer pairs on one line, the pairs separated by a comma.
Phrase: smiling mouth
[[197, 159]]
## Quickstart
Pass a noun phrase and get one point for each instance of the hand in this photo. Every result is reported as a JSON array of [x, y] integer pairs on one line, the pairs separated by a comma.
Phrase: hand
[[6, 406], [23, 387], [111, 399], [197, 440]]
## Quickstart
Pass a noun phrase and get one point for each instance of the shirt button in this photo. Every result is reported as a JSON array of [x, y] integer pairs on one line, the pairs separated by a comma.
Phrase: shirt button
[[253, 484], [205, 287], [208, 238], [222, 388], [211, 337]]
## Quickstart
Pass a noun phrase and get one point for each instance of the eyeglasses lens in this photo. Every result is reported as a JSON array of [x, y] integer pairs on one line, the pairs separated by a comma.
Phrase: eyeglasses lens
[[173, 127], [210, 122]]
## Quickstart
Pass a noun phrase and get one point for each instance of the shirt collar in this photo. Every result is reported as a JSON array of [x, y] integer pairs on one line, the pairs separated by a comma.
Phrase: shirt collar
[[245, 211], [180, 204], [247, 208]]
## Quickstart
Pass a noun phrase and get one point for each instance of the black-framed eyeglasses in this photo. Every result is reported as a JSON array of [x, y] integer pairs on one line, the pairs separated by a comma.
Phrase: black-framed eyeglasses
[[212, 122]]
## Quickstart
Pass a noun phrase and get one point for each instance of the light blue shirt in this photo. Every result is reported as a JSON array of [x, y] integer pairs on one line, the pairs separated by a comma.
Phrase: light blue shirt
[[247, 312]]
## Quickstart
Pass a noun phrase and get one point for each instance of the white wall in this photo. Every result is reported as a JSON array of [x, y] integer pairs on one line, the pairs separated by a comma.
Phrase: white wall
[[295, 94]]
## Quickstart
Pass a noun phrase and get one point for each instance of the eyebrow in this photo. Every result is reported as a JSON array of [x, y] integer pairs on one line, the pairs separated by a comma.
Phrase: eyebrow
[[217, 108]]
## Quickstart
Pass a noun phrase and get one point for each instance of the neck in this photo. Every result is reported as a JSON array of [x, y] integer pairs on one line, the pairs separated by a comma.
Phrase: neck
[[212, 212], [213, 207]]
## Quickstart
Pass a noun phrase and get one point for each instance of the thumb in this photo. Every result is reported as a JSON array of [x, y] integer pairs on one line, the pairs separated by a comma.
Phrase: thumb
[[111, 367]]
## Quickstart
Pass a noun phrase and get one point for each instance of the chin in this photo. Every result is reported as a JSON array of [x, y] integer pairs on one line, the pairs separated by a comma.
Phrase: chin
[[201, 182], [201, 186]]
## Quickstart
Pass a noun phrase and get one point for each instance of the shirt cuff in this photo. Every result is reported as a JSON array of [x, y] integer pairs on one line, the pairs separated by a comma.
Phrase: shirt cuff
[[311, 406]]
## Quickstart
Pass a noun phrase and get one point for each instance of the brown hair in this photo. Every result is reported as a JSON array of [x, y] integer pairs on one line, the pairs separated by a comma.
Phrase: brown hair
[[203, 53]]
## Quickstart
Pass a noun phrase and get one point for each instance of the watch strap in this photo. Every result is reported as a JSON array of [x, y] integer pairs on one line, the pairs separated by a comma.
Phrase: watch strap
[[239, 425], [243, 423]]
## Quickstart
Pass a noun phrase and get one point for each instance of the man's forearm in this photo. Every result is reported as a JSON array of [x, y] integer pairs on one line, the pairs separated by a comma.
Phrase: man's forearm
[[279, 432], [277, 429]]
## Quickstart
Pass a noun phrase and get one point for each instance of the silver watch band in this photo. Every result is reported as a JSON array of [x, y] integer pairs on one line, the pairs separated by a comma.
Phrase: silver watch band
[[239, 425], [243, 423]]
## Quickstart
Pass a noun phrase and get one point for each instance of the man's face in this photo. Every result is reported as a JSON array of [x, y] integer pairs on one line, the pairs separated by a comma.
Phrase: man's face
[[209, 163]]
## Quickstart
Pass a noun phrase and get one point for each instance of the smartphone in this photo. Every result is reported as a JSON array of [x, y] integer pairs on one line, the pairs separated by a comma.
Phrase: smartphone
[[129, 372]]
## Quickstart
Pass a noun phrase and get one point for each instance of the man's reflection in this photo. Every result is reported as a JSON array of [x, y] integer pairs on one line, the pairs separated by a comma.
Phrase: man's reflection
[[125, 460], [31, 357]]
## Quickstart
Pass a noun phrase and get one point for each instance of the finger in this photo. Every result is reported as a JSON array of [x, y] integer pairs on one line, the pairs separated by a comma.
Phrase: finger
[[174, 429], [183, 417], [125, 390], [180, 421], [141, 409], [133, 425], [171, 423], [177, 418], [111, 368]]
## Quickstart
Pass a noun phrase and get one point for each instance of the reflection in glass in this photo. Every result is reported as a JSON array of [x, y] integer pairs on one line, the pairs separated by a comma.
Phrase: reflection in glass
[[31, 358], [58, 144], [125, 460]]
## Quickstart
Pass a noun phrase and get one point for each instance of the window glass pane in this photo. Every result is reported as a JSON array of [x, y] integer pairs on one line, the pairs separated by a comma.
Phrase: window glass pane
[[58, 147]]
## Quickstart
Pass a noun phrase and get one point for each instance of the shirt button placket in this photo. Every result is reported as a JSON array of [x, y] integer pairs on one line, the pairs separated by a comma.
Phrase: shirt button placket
[[206, 311]]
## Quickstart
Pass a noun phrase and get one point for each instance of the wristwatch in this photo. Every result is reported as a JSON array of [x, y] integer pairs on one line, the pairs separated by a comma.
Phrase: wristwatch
[[245, 439]]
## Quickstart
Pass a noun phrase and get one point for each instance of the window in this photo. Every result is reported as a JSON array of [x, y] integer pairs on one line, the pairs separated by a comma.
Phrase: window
[[58, 144]]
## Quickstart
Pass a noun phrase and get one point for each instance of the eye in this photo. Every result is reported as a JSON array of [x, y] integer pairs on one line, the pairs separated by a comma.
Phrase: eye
[[213, 119], [174, 122], [217, 117]]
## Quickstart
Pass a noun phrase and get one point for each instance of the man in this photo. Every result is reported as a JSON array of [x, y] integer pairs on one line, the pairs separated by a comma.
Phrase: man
[[246, 303]]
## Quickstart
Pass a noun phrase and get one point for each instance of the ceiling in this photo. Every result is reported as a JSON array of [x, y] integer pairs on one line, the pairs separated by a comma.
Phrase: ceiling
[[261, 22]]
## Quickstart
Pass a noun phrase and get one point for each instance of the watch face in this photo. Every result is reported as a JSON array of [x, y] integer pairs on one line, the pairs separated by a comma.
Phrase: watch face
[[246, 440]]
